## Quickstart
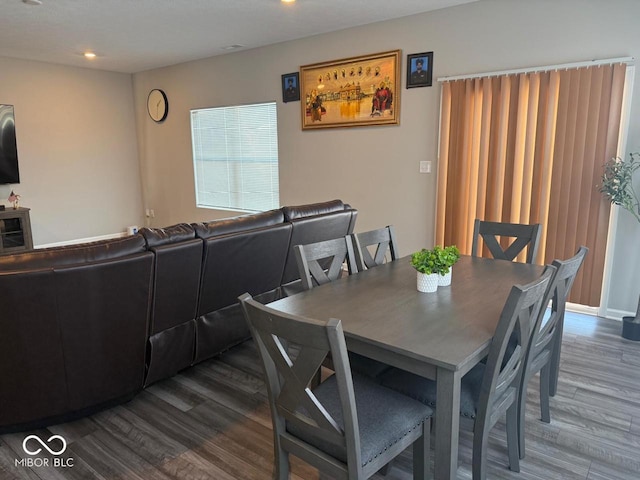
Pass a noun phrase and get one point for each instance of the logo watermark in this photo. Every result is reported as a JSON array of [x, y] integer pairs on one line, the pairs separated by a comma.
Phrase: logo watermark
[[56, 445]]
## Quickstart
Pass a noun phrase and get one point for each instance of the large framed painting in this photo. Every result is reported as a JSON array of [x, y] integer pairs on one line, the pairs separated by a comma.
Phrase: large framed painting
[[351, 92]]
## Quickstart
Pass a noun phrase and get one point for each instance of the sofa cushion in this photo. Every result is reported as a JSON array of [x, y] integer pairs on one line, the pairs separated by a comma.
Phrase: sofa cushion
[[238, 224], [74, 254], [301, 211], [250, 261], [163, 236]]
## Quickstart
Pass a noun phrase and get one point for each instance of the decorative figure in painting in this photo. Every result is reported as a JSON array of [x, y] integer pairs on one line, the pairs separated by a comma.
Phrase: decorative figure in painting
[[316, 107], [382, 100]]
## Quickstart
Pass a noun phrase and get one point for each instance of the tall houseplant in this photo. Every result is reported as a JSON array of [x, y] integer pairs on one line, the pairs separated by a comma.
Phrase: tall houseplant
[[617, 187], [617, 183]]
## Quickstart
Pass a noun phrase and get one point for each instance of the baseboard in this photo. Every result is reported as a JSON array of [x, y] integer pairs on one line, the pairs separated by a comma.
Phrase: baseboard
[[610, 313], [584, 309], [618, 314], [82, 240]]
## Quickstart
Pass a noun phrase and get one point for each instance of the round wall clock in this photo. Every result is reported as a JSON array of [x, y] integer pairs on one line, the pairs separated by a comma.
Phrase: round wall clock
[[157, 105]]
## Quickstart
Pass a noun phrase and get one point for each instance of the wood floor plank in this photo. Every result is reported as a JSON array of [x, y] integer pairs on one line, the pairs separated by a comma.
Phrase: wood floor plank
[[630, 356], [110, 459], [602, 471], [8, 468], [174, 393], [575, 412], [191, 466], [253, 406], [138, 435], [244, 357]]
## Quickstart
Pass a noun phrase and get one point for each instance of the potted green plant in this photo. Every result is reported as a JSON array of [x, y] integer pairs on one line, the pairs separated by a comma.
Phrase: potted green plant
[[617, 183], [617, 187], [426, 264], [447, 257]]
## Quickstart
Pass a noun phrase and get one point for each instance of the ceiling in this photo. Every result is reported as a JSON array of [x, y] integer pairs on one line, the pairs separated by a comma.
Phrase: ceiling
[[136, 35]]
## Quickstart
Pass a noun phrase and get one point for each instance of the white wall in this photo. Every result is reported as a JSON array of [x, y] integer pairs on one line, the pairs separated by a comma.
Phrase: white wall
[[77, 149], [376, 168]]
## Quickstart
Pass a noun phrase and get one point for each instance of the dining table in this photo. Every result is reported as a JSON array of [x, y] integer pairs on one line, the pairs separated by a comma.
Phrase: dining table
[[440, 335]]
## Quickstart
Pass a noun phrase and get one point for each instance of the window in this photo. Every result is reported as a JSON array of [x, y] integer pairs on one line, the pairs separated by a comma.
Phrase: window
[[235, 157]]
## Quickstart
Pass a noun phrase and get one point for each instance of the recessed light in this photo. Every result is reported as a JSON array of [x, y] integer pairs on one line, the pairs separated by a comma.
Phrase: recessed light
[[32, 2], [89, 55], [287, 1]]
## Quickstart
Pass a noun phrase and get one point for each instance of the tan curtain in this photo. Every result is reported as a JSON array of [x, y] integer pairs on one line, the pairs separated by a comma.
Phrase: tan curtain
[[529, 148]]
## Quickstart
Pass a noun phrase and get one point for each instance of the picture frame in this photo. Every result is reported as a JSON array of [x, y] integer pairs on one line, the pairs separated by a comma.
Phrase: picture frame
[[351, 92], [291, 87], [419, 70]]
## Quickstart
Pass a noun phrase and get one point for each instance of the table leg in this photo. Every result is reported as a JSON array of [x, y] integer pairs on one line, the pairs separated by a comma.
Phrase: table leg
[[447, 424]]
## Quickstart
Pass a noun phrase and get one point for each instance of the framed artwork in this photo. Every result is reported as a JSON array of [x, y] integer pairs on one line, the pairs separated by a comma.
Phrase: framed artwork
[[351, 92], [291, 87], [419, 69]]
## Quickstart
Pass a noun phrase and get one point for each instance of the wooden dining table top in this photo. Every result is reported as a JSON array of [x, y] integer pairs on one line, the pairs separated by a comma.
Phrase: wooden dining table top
[[451, 328]]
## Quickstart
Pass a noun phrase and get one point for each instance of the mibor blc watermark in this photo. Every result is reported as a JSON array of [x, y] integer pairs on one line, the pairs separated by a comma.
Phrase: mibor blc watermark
[[34, 445]]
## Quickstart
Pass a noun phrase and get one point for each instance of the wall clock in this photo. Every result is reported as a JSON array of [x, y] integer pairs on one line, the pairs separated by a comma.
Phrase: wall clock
[[157, 105]]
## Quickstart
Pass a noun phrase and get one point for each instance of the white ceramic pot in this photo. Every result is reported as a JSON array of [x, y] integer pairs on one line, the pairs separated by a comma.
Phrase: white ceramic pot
[[445, 280], [427, 282]]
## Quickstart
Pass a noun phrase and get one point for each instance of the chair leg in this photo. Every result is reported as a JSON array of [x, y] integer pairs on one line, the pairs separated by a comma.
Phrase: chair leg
[[555, 359], [544, 393], [281, 468], [512, 438], [479, 462], [522, 407], [421, 453]]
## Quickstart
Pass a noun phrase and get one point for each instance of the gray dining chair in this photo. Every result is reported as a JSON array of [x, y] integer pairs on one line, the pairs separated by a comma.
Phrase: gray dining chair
[[543, 352], [348, 426], [372, 247], [524, 236], [321, 262], [489, 391]]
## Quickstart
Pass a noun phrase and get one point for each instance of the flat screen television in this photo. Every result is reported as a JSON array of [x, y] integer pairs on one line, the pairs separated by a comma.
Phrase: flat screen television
[[9, 172]]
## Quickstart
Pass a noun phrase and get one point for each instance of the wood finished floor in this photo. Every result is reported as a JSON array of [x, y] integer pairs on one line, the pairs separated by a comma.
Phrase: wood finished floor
[[212, 422]]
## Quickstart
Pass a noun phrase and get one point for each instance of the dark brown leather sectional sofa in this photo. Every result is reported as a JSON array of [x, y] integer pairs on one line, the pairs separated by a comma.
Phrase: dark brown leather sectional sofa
[[87, 326]]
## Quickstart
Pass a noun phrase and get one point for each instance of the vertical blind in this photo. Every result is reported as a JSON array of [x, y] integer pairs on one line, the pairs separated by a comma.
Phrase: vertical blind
[[235, 157], [529, 148]]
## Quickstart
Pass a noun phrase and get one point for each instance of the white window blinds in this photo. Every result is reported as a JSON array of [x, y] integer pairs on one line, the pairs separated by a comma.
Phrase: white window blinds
[[235, 157]]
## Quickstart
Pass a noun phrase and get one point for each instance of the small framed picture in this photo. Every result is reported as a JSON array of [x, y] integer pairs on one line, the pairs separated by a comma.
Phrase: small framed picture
[[291, 87], [419, 69]]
